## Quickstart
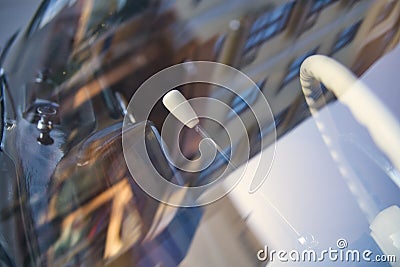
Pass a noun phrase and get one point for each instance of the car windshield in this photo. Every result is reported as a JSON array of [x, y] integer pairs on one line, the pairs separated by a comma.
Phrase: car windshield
[[75, 80]]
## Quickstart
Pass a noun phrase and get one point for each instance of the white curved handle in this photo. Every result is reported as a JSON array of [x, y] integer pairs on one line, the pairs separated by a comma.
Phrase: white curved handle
[[178, 105], [364, 105]]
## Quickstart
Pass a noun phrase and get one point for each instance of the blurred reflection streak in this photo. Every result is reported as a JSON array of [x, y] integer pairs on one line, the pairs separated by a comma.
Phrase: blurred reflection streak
[[114, 243], [73, 226], [89, 214], [380, 160], [108, 79], [88, 208], [83, 22], [163, 216]]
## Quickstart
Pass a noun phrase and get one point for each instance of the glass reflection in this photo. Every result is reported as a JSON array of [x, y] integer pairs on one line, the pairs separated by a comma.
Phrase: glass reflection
[[76, 202]]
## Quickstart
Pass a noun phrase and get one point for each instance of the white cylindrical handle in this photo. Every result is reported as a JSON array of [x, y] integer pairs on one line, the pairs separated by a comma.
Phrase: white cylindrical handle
[[178, 105], [362, 102]]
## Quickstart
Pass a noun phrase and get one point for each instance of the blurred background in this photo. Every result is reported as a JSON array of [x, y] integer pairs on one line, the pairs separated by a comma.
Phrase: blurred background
[[88, 58], [13, 15]]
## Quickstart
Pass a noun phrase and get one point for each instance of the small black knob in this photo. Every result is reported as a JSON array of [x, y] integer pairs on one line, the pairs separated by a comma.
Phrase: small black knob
[[45, 124]]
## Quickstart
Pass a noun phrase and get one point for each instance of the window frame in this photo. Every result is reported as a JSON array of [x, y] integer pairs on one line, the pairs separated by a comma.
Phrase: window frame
[[267, 25]]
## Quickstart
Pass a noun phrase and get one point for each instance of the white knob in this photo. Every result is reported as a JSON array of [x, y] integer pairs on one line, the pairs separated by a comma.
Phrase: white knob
[[178, 105]]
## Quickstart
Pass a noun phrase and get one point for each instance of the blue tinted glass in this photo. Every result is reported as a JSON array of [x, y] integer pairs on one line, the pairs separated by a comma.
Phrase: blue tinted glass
[[271, 16], [320, 4], [294, 68], [346, 36], [258, 37], [240, 103], [268, 32], [291, 74], [250, 42], [297, 62], [278, 12], [260, 22]]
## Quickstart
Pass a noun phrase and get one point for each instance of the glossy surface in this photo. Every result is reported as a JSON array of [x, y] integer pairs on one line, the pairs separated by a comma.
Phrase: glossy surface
[[71, 201]]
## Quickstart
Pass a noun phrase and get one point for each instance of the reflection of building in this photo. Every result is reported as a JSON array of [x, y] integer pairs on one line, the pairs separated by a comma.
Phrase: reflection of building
[[381, 34], [111, 47], [266, 41], [269, 44]]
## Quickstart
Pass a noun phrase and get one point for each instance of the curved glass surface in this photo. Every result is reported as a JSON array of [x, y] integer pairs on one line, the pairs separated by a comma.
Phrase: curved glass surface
[[69, 199]]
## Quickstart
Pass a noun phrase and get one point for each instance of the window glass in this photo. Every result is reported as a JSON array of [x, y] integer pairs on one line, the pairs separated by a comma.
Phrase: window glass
[[267, 25], [294, 68], [316, 7], [241, 102], [319, 5], [346, 36]]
